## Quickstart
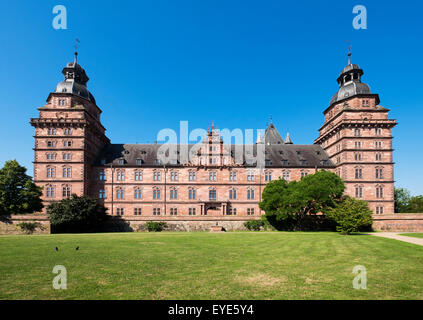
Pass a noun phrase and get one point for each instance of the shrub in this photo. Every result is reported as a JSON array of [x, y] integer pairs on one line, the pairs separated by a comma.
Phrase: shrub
[[29, 227], [294, 205], [351, 215], [77, 214], [254, 225], [155, 226]]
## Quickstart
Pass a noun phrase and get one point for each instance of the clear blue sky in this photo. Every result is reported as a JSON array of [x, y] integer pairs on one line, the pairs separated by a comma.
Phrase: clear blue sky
[[154, 63]]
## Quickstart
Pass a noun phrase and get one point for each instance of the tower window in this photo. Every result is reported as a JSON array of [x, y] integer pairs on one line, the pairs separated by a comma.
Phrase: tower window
[[357, 132], [358, 173], [358, 192]]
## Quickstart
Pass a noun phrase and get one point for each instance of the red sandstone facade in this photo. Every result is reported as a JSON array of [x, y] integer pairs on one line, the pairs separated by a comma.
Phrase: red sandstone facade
[[73, 155]]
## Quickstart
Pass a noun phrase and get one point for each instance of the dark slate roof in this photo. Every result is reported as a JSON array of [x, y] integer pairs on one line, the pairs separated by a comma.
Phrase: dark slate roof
[[272, 136], [350, 90], [276, 155]]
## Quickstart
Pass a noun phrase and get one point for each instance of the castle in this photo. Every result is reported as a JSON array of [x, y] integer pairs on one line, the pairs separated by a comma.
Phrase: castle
[[73, 155]]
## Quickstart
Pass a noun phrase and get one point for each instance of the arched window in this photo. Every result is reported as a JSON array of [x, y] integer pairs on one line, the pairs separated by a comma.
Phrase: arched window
[[286, 175]]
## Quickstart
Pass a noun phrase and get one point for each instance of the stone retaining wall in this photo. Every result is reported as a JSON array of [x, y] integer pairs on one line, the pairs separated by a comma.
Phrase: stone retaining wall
[[9, 224], [138, 224], [399, 222]]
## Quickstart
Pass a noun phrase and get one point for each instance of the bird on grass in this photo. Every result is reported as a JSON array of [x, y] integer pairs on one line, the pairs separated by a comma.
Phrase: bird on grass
[[57, 249], [77, 248]]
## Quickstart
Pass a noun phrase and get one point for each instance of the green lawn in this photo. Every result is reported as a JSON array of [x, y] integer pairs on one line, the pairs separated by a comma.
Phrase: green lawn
[[244, 265], [414, 235]]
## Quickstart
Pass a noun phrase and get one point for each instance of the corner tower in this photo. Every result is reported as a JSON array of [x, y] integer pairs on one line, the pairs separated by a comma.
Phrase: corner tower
[[357, 135], [68, 136]]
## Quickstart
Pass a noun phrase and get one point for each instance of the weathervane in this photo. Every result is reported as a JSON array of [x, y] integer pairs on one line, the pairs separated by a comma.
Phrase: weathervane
[[349, 52], [76, 49]]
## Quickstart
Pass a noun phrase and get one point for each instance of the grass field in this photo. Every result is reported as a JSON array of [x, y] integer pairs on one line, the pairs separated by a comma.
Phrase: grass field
[[244, 265], [414, 235]]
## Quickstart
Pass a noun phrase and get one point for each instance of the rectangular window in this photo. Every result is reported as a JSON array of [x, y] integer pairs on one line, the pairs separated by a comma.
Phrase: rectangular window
[[191, 211], [379, 210], [138, 176], [379, 192], [137, 211], [212, 194], [358, 145], [51, 172], [120, 211], [156, 193], [212, 176], [137, 194], [102, 194], [173, 211], [156, 211], [120, 194], [156, 176], [192, 194], [50, 192], [267, 176], [173, 194], [250, 194], [121, 175], [231, 211], [232, 176], [67, 172], [139, 162], [250, 211], [192, 176]]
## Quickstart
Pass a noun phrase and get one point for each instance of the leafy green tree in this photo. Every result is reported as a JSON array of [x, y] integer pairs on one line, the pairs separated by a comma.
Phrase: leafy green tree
[[402, 198], [351, 215], [415, 205], [77, 214], [288, 204], [18, 193]]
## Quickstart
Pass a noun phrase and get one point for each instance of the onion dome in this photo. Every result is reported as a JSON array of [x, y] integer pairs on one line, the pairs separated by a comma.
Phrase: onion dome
[[350, 83], [75, 81]]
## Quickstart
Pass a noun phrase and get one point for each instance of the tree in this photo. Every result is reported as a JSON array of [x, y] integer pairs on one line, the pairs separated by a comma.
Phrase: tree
[[77, 214], [402, 198], [18, 193], [351, 215], [415, 205], [288, 204]]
